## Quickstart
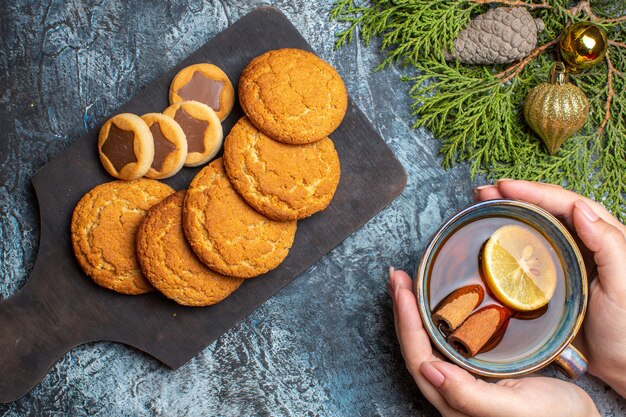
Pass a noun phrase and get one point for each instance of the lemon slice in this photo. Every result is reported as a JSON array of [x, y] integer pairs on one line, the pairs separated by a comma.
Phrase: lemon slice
[[518, 268]]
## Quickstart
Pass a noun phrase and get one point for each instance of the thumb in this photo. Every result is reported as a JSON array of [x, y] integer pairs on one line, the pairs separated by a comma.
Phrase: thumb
[[469, 395], [608, 245]]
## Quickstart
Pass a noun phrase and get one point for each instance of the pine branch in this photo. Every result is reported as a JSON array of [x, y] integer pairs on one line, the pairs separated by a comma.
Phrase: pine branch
[[345, 11], [610, 93], [515, 69], [585, 7], [476, 111], [410, 29], [615, 43], [473, 113]]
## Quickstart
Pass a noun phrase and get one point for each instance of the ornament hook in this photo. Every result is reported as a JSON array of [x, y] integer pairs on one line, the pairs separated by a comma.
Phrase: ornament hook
[[558, 74]]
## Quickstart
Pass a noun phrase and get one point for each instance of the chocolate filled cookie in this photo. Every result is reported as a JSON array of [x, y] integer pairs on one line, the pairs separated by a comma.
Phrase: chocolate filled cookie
[[207, 84], [228, 235], [126, 147], [169, 263], [170, 145], [292, 96], [284, 182], [202, 128], [104, 225]]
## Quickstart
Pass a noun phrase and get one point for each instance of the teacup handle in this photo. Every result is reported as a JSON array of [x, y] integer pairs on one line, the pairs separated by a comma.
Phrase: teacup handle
[[572, 363]]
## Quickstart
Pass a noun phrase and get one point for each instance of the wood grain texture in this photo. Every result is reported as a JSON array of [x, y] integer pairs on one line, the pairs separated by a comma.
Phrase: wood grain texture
[[325, 344], [40, 324]]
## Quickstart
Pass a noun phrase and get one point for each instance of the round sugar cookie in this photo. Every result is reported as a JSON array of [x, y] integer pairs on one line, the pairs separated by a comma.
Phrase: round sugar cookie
[[170, 145], [104, 225], [284, 182], [207, 84], [228, 235], [202, 128], [125, 146], [292, 96], [169, 263]]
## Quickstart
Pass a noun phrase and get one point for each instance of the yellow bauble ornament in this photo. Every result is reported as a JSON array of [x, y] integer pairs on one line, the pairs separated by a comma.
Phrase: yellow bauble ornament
[[583, 45], [557, 109]]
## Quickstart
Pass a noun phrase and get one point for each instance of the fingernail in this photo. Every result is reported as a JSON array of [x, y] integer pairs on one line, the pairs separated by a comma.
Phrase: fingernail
[[432, 374], [482, 187], [501, 180], [390, 283], [396, 292], [586, 210]]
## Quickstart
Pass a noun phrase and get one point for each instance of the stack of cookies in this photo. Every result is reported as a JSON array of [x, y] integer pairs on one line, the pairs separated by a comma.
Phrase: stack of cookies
[[187, 133], [237, 220]]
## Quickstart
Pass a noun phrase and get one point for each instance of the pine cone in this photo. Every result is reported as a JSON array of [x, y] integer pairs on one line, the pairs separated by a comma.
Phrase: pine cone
[[499, 36]]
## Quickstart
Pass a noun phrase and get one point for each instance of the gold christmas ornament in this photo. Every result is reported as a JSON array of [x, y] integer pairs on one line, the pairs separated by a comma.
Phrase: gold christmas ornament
[[583, 45], [557, 109]]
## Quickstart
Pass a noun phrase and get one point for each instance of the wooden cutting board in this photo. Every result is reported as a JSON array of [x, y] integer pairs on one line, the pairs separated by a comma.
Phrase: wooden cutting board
[[59, 307]]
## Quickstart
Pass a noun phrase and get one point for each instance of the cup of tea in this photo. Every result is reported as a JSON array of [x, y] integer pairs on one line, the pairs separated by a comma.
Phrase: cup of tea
[[502, 290]]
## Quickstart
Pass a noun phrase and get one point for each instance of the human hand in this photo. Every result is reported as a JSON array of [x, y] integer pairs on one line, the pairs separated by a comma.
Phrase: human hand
[[456, 393], [604, 335]]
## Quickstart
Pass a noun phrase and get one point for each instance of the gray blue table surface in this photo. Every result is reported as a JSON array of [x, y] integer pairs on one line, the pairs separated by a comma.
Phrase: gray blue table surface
[[325, 344]]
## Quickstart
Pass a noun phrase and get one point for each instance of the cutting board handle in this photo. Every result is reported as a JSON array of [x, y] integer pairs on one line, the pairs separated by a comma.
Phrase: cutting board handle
[[35, 333]]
